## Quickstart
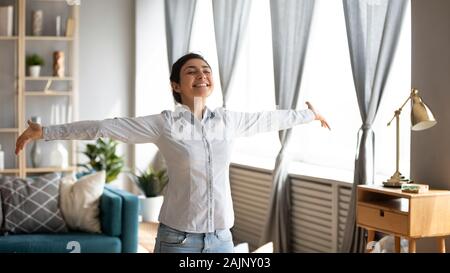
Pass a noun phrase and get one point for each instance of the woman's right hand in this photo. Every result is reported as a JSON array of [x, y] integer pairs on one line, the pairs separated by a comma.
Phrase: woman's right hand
[[318, 116], [33, 132]]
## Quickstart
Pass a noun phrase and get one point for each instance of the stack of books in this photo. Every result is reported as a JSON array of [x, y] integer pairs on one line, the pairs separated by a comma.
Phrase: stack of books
[[6, 20], [414, 188]]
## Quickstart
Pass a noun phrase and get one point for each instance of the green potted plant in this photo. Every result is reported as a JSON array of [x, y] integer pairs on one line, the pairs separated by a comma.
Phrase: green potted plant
[[102, 156], [34, 63], [151, 183]]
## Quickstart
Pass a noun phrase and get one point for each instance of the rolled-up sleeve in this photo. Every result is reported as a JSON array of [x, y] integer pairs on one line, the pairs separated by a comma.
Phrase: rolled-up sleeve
[[129, 130], [248, 124]]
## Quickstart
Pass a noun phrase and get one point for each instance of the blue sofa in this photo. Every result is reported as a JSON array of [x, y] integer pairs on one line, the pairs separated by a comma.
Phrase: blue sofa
[[119, 219]]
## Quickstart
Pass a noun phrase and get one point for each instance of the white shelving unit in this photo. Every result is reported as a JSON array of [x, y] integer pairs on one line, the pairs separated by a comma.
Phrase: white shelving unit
[[25, 96]]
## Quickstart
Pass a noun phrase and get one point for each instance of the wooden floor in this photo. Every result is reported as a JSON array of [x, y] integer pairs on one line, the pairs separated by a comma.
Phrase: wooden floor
[[146, 237]]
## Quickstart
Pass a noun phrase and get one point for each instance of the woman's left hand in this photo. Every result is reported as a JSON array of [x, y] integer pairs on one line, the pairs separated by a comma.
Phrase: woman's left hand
[[318, 116]]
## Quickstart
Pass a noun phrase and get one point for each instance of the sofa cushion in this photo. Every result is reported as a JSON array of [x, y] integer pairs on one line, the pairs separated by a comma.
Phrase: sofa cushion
[[60, 243], [31, 205], [80, 201]]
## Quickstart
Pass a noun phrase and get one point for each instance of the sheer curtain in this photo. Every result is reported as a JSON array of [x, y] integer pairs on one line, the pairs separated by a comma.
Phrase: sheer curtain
[[373, 29], [179, 19], [291, 21], [230, 23]]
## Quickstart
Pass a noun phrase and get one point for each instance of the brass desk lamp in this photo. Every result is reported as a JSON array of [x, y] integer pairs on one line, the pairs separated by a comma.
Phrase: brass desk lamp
[[421, 119]]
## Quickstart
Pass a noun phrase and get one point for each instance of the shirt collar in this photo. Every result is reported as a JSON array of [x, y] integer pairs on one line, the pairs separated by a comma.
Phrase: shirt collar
[[189, 116], [208, 113]]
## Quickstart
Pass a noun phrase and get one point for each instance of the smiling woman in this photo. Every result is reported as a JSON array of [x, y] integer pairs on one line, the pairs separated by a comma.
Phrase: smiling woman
[[192, 81], [196, 142]]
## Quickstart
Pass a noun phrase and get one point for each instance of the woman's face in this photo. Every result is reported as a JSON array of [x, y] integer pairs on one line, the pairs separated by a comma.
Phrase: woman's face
[[195, 80]]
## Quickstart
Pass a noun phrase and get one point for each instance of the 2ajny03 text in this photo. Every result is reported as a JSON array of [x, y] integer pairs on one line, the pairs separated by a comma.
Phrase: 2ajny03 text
[[234, 262]]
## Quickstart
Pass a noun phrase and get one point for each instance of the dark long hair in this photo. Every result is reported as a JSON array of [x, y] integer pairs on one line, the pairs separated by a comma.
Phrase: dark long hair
[[176, 71]]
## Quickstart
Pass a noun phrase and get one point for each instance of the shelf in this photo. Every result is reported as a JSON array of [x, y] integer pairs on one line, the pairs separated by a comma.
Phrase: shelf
[[9, 130], [48, 78], [48, 38], [8, 38], [48, 93], [50, 170], [34, 96], [9, 171]]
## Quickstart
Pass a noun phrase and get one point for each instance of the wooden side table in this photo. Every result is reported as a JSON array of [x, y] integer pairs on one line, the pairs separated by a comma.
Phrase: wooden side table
[[409, 215]]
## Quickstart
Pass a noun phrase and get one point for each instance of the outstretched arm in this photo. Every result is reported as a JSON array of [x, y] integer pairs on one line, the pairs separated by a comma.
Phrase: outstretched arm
[[129, 130], [247, 124]]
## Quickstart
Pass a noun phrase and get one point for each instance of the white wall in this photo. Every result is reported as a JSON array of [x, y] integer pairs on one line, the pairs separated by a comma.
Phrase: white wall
[[430, 151], [106, 86], [430, 155]]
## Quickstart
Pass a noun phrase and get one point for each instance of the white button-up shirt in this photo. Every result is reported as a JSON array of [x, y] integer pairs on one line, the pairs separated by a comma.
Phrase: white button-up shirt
[[197, 154]]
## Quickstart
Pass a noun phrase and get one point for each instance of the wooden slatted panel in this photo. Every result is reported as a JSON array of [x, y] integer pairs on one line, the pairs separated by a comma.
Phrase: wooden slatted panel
[[250, 190], [311, 216]]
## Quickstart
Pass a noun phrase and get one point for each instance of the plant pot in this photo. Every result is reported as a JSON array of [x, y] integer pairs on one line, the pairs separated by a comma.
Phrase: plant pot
[[150, 207], [34, 70]]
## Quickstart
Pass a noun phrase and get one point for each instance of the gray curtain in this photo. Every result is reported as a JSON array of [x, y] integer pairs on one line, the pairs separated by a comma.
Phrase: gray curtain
[[373, 28], [291, 22], [230, 22], [179, 18]]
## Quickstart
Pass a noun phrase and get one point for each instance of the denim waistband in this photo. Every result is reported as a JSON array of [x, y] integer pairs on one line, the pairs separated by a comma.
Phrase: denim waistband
[[167, 228]]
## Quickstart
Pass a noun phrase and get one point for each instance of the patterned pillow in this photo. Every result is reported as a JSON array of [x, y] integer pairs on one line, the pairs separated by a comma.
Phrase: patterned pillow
[[31, 205]]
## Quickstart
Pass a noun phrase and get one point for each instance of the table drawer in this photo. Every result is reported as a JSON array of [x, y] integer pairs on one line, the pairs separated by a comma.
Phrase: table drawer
[[383, 220]]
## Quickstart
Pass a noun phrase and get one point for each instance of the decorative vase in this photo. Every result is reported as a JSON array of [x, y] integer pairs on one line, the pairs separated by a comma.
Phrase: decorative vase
[[37, 22], [36, 150], [34, 70], [36, 154], [58, 26], [59, 156], [2, 158], [58, 64], [150, 208]]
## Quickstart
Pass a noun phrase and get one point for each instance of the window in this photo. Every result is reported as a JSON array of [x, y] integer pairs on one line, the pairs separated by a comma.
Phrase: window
[[327, 83]]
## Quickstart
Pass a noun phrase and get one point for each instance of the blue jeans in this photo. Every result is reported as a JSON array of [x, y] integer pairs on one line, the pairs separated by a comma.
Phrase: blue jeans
[[170, 240]]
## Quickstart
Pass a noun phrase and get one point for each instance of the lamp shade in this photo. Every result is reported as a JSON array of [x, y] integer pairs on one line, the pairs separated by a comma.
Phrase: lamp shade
[[421, 116]]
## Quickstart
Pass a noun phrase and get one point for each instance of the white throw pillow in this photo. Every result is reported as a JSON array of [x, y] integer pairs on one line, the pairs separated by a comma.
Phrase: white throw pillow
[[80, 200]]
